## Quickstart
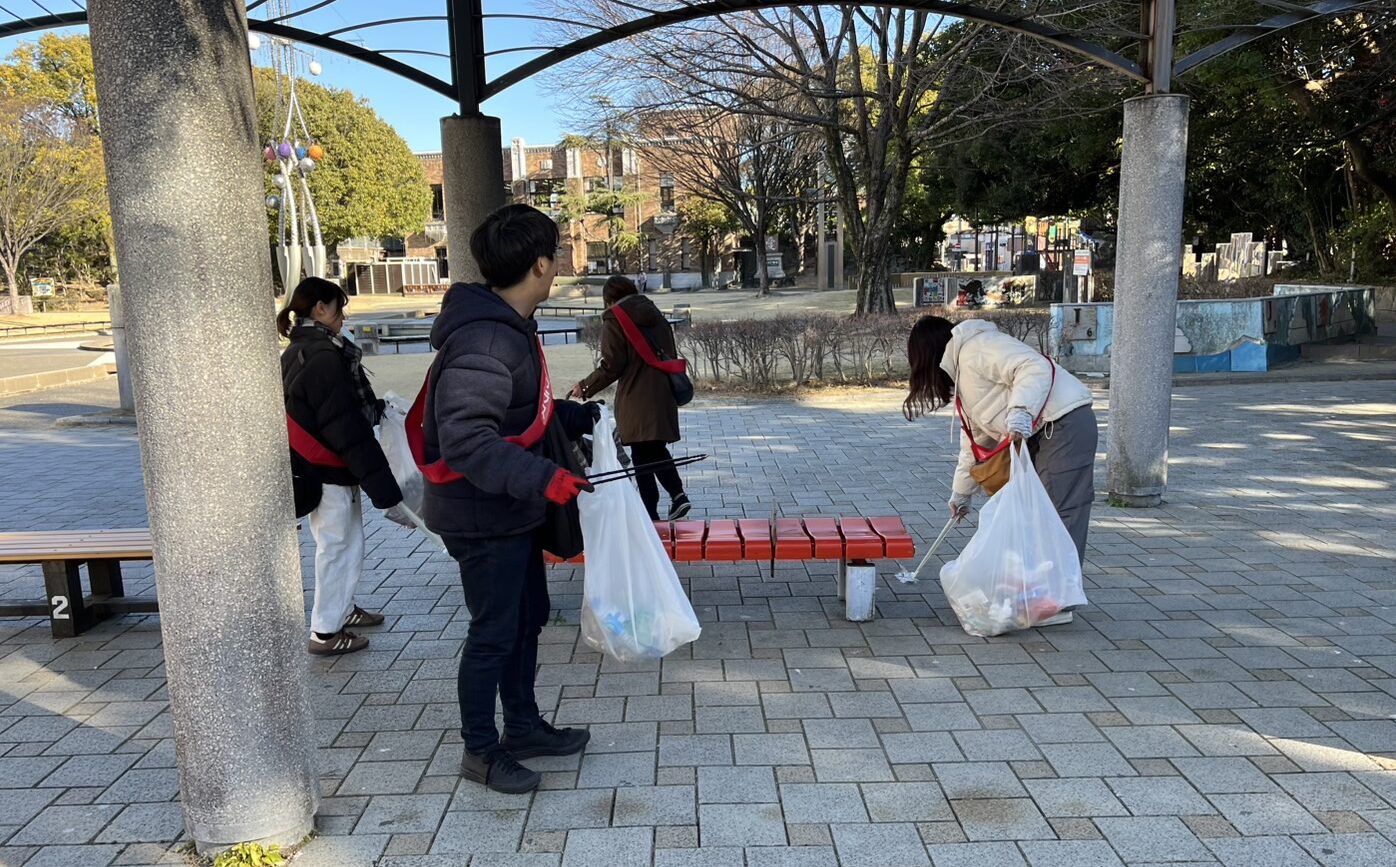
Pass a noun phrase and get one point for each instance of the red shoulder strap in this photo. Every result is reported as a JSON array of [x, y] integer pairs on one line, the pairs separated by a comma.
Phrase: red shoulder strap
[[642, 346], [983, 454], [307, 446], [437, 471]]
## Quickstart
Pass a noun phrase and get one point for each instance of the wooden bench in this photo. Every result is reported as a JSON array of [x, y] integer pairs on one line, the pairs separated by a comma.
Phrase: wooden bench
[[62, 554], [853, 542]]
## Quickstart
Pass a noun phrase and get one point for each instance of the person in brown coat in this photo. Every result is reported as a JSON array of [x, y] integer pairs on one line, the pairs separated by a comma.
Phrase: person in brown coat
[[647, 417]]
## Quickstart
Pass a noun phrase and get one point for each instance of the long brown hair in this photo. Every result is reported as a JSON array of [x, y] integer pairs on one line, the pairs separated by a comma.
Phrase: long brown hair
[[931, 387], [308, 293]]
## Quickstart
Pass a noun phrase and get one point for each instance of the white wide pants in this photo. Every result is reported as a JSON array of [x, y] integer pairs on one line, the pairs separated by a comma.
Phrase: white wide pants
[[338, 527]]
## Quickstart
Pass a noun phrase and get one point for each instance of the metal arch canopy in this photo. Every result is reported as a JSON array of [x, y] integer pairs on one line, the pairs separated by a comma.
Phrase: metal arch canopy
[[460, 90], [712, 8], [1246, 35]]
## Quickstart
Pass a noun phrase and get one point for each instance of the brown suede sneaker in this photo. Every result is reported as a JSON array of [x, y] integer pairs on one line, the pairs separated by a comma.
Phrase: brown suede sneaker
[[338, 644]]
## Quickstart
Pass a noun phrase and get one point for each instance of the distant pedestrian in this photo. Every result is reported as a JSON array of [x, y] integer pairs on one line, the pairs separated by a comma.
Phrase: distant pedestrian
[[1006, 389], [647, 415], [643, 283], [331, 411]]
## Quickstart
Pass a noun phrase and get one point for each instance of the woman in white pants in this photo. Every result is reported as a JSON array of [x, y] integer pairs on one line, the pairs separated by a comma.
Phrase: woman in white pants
[[330, 414]]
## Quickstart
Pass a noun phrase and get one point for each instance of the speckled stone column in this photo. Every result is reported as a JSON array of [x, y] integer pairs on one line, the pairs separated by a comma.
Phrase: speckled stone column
[[472, 164], [183, 167], [1147, 263]]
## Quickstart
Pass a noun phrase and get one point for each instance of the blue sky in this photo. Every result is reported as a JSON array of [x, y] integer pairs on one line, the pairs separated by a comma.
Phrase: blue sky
[[526, 110]]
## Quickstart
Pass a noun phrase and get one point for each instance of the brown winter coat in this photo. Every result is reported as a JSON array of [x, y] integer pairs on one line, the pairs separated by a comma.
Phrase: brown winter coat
[[645, 408]]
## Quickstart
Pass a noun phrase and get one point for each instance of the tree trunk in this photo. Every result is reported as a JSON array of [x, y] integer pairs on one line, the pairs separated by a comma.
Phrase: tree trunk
[[12, 280], [1360, 158], [874, 285]]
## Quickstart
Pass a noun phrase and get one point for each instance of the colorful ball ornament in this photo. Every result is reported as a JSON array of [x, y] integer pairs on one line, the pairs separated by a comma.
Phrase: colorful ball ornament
[[307, 165], [316, 152], [270, 154], [300, 152], [316, 68], [280, 181], [285, 150], [273, 202]]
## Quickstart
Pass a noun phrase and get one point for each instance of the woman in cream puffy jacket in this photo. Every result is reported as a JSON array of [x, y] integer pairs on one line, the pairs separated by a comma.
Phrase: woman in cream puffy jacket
[[1008, 389]]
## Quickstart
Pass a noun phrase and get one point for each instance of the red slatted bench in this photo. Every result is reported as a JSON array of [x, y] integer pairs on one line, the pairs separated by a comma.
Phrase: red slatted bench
[[849, 541], [62, 554]]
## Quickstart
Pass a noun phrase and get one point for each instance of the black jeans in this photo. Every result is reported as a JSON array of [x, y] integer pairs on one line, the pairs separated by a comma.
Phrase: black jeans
[[506, 591], [648, 453]]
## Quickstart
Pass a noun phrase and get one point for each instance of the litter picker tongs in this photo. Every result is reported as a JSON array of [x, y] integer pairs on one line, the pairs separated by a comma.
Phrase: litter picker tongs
[[908, 577], [630, 472]]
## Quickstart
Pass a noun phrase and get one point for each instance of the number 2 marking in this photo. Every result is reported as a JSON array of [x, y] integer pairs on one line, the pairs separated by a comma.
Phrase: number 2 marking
[[60, 608]]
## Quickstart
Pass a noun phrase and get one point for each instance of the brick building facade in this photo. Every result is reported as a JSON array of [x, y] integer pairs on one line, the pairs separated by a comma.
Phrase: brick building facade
[[561, 180]]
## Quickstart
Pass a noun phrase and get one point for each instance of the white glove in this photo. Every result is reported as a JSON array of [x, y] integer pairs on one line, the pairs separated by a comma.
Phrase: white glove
[[960, 505], [1020, 423], [400, 515]]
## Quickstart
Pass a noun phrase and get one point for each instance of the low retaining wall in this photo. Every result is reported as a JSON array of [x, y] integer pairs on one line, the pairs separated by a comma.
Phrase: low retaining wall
[[26, 383], [1233, 335]]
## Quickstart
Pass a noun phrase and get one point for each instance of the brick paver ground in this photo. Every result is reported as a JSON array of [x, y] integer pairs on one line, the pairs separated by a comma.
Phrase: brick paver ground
[[1228, 698]]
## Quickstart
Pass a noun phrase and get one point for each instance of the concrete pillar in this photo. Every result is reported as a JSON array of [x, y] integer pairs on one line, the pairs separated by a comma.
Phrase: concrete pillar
[[119, 349], [185, 182], [1147, 262], [472, 182]]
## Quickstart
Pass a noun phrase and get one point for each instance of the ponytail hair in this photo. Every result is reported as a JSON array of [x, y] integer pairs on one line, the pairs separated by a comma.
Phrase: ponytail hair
[[308, 293]]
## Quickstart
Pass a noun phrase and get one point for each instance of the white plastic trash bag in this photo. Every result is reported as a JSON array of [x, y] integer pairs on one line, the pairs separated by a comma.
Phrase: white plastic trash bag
[[392, 436], [1021, 567], [633, 606]]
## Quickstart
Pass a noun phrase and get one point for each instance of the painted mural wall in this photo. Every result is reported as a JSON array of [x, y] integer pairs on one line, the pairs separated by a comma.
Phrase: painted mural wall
[[1250, 334]]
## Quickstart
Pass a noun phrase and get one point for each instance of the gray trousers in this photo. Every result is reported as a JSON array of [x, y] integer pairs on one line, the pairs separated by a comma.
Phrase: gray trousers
[[1064, 454]]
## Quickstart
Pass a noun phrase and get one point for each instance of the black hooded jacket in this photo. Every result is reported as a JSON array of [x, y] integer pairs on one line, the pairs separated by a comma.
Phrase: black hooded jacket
[[323, 397], [485, 388]]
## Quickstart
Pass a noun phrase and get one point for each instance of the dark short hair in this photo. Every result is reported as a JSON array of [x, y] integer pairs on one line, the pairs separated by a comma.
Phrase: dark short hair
[[510, 241], [617, 286]]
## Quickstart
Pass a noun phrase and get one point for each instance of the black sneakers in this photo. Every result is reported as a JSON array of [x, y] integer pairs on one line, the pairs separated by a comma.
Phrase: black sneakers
[[680, 507], [545, 740], [499, 770]]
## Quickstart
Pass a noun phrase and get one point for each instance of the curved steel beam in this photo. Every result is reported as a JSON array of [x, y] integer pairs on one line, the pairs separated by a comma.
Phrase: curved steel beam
[[386, 21], [270, 28], [354, 52], [1246, 35], [296, 13], [21, 26], [713, 8]]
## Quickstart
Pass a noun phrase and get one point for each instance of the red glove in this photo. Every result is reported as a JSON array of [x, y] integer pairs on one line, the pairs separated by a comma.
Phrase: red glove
[[565, 487]]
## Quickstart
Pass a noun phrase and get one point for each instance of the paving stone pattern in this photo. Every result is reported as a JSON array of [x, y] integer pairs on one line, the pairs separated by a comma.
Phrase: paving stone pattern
[[1228, 698]]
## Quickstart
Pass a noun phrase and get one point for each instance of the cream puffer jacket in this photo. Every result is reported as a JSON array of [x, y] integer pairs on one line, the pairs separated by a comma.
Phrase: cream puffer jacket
[[995, 374]]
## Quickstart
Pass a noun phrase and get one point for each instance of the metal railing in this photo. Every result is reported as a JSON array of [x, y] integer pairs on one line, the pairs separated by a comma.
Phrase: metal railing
[[60, 328]]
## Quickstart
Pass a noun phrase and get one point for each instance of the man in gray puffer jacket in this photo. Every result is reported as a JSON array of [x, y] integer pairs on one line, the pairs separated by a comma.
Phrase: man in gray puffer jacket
[[488, 486]]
